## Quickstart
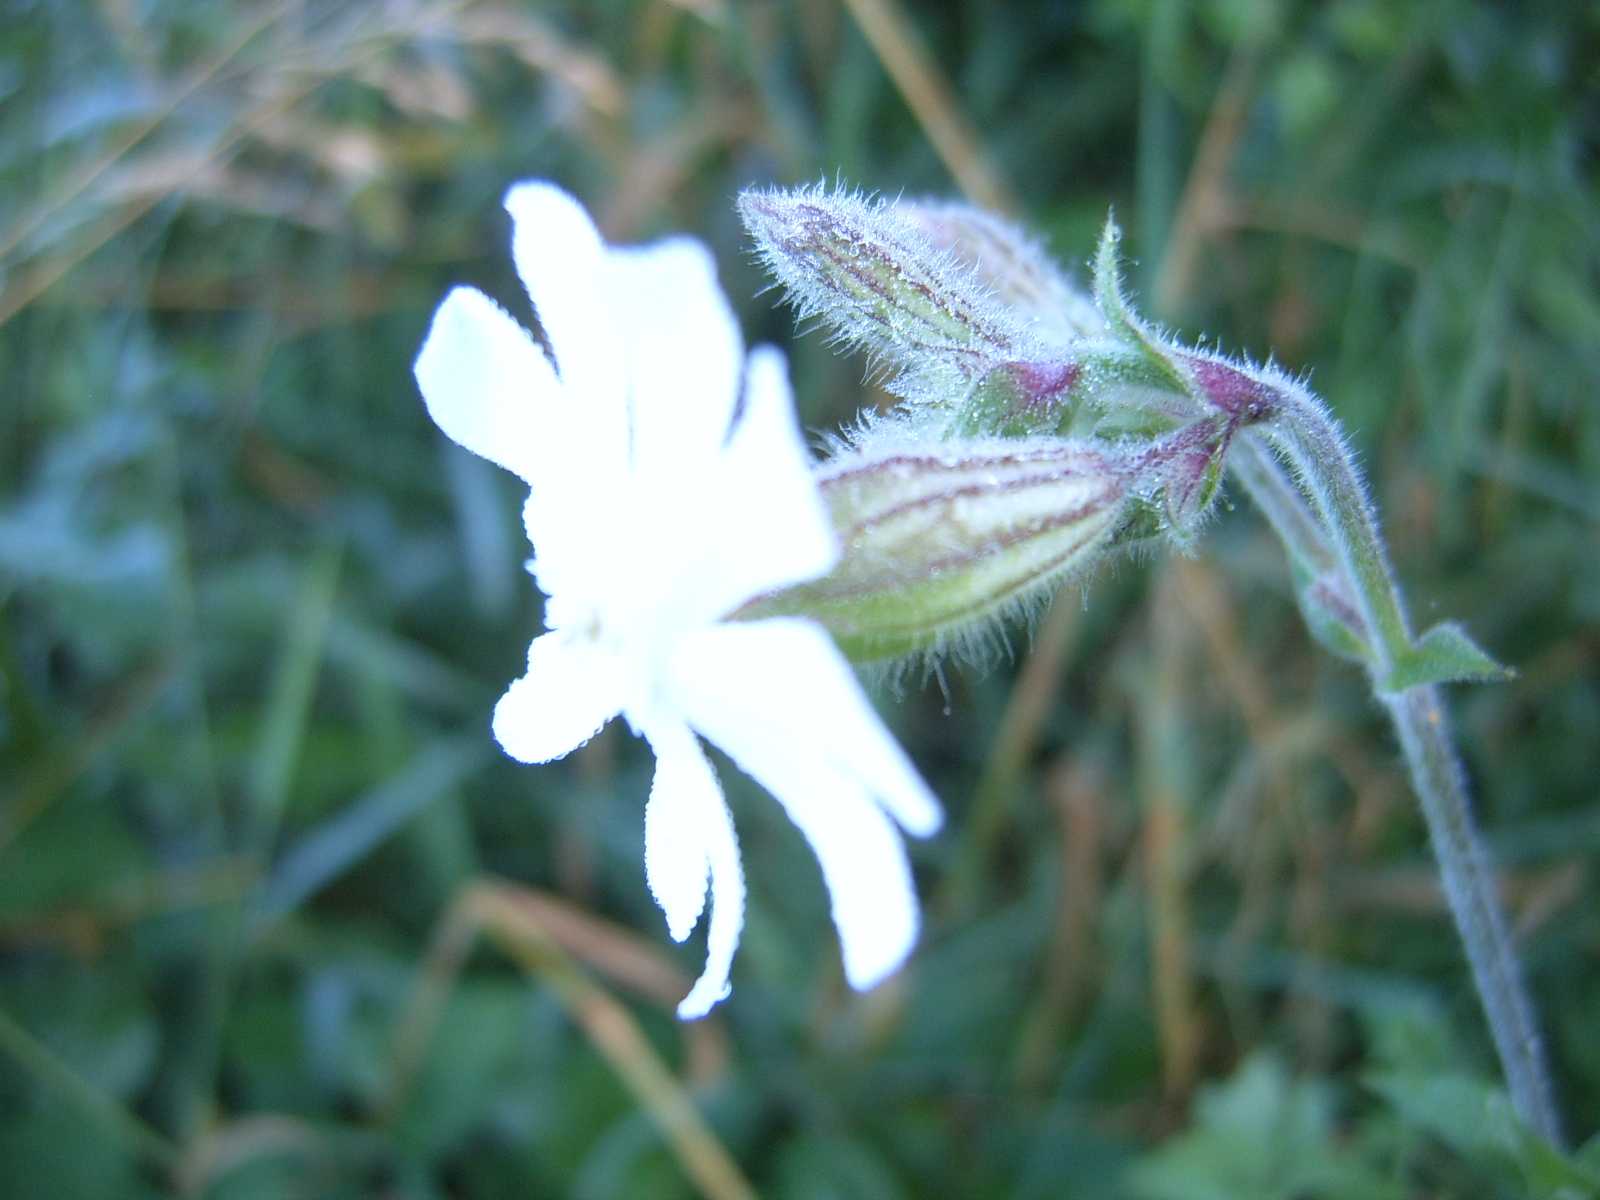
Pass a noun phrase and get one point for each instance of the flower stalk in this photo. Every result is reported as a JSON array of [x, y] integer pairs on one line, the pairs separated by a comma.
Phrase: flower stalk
[[1016, 358], [1317, 452]]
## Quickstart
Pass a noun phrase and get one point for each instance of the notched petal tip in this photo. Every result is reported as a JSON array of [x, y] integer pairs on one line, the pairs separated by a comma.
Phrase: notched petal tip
[[561, 260], [689, 836], [727, 911], [676, 855]]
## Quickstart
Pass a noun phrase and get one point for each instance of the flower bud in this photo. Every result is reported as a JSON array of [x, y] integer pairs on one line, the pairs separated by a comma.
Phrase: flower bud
[[1014, 266], [1021, 399], [872, 273], [937, 539]]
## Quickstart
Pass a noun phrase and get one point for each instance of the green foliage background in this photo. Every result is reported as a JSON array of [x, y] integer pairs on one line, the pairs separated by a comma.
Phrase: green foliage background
[[1183, 938]]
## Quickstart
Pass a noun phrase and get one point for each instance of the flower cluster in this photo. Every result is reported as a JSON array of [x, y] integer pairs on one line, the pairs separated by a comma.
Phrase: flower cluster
[[705, 581], [1042, 427]]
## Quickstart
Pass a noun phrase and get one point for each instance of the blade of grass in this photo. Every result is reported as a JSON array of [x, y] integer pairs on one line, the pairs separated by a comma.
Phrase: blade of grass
[[1158, 152], [517, 922], [1028, 707], [928, 94], [333, 847], [49, 780], [99, 1110], [1078, 793], [1205, 200], [289, 697], [1164, 771], [180, 96]]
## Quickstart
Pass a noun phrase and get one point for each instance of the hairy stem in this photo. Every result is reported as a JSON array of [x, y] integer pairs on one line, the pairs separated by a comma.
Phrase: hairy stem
[[1347, 535], [1469, 884], [1281, 503], [1306, 434]]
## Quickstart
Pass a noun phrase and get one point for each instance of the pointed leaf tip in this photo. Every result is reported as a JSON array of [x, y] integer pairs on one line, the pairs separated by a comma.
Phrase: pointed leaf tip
[[1445, 654]]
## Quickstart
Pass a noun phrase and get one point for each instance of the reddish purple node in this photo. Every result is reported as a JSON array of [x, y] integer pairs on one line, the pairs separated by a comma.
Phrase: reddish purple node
[[1040, 384], [1231, 390]]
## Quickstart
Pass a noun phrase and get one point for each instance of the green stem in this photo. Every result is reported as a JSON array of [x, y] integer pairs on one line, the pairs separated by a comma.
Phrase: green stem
[[1282, 503], [1469, 884], [1347, 534], [1311, 442]]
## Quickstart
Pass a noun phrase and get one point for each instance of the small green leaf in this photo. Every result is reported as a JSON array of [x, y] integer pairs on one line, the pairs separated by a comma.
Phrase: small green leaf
[[1123, 321], [1445, 654], [1588, 1155], [1263, 1133], [1550, 1173], [1477, 1121], [1467, 1114], [1108, 279]]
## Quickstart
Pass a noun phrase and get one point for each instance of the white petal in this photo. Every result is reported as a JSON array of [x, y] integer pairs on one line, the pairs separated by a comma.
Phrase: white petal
[[727, 917], [697, 801], [575, 531], [675, 860], [570, 691], [684, 355], [785, 679], [863, 859], [778, 698], [485, 381], [768, 529], [562, 262]]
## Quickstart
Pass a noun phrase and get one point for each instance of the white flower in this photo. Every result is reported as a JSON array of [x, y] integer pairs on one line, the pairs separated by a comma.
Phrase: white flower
[[670, 486]]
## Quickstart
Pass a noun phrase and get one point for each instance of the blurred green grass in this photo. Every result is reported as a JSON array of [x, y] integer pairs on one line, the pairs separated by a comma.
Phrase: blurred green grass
[[254, 613]]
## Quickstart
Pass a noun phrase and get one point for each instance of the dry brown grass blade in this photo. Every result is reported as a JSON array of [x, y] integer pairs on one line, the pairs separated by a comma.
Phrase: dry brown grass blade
[[530, 929], [932, 101], [634, 962], [1078, 793], [1037, 687], [1165, 839], [42, 276], [1206, 196], [542, 49], [216, 1152], [184, 91], [86, 930], [1276, 744], [1534, 896], [647, 172], [35, 792], [292, 75]]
